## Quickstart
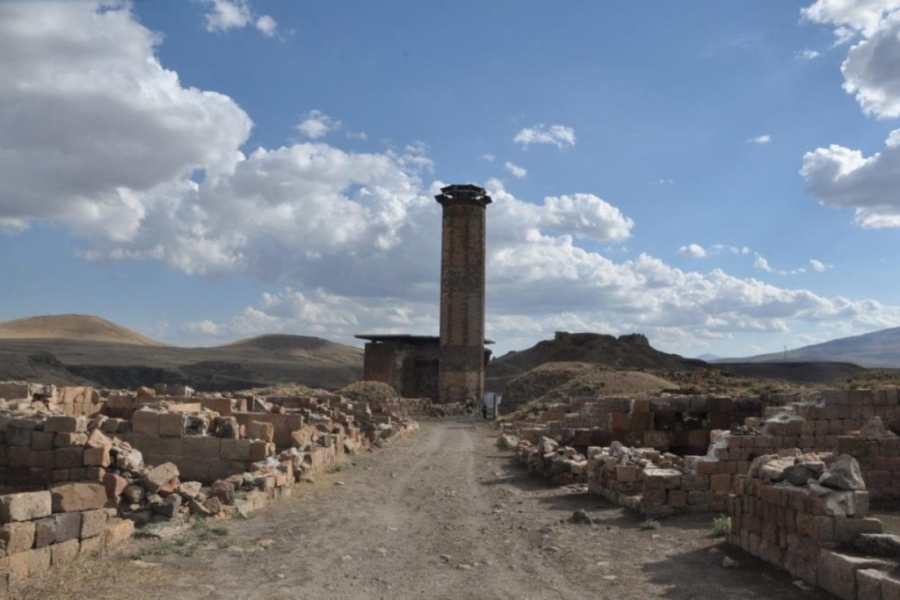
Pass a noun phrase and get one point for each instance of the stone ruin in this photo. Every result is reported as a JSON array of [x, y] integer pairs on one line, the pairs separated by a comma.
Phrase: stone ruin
[[80, 468], [795, 478]]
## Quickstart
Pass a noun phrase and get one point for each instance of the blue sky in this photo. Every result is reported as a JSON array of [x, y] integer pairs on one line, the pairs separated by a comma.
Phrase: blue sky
[[719, 176]]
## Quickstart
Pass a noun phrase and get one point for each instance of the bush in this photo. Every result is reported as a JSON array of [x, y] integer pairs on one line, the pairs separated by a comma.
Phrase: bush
[[649, 524], [721, 526]]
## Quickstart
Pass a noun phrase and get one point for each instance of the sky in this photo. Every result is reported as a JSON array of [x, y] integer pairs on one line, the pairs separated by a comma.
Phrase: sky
[[723, 177]]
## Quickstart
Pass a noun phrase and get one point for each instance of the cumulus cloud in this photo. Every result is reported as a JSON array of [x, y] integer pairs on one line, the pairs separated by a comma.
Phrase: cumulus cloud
[[138, 166], [225, 15], [760, 139], [515, 170], [844, 178], [862, 16], [872, 68], [556, 135], [93, 130], [692, 250], [316, 124]]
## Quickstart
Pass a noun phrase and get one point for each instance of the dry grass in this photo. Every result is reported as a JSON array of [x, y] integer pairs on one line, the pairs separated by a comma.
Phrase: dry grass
[[368, 391], [556, 382]]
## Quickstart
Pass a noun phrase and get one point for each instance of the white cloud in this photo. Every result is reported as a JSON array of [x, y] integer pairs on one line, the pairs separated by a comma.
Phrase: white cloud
[[123, 125], [316, 124], [515, 170], [716, 248], [358, 135], [861, 16], [138, 166], [489, 157], [818, 266], [692, 250], [225, 15], [762, 264], [760, 139], [205, 327], [267, 25], [808, 54], [844, 178], [872, 68], [556, 135]]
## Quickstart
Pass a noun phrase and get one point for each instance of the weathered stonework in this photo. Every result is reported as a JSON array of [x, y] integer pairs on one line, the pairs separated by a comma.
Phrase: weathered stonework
[[463, 246]]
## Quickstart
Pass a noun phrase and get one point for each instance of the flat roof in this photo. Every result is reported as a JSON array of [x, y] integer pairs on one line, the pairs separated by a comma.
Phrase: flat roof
[[403, 337]]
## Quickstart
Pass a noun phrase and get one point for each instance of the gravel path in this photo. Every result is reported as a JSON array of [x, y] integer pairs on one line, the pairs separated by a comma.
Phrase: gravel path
[[440, 514]]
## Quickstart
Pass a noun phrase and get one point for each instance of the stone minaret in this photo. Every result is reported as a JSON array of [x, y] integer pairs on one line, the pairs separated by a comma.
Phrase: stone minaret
[[462, 354]]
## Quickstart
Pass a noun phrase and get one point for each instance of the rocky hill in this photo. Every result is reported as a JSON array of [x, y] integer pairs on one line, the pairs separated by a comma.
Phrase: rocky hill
[[80, 349], [625, 352]]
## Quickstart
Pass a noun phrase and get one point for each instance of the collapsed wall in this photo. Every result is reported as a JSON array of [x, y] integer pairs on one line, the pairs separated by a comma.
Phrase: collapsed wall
[[78, 469], [807, 514], [654, 481], [795, 480]]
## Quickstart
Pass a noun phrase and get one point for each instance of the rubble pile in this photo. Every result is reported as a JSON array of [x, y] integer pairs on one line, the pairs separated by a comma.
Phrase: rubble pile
[[560, 464], [121, 459], [807, 514]]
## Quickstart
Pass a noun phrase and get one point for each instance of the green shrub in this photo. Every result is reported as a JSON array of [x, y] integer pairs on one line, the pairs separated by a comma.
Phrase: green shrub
[[721, 526], [649, 524]]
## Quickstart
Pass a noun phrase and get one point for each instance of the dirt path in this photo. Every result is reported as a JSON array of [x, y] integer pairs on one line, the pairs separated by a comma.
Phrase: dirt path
[[441, 514]]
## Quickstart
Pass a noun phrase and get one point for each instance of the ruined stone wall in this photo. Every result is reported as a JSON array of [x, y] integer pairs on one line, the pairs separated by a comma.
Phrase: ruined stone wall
[[681, 424], [40, 529], [38, 451], [801, 525], [654, 482]]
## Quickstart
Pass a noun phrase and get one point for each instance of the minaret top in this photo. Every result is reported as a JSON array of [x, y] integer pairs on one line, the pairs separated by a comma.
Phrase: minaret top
[[463, 194]]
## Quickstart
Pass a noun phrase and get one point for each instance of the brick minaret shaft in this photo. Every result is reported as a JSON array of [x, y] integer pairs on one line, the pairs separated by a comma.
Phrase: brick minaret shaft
[[462, 356]]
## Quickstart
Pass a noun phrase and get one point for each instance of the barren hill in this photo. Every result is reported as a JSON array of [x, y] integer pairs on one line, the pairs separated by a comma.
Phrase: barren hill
[[85, 328], [879, 349], [90, 350], [625, 352]]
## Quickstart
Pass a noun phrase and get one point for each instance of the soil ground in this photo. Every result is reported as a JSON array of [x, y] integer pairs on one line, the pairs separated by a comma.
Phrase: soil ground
[[440, 514]]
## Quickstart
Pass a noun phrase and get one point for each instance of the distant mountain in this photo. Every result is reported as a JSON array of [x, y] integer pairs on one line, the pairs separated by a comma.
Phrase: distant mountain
[[625, 352], [72, 327], [880, 349], [82, 350], [709, 357]]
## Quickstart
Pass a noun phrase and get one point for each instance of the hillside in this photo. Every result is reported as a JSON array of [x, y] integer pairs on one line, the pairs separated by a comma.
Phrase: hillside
[[880, 349], [85, 328], [108, 355], [625, 352]]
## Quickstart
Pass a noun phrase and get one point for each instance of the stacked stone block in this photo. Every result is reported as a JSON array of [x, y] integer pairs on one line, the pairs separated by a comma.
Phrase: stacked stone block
[[795, 512], [39, 451], [48, 528]]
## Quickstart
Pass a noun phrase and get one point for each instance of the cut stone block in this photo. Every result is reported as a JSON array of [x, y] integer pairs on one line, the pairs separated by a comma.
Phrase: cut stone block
[[68, 526], [71, 497], [16, 538], [92, 523], [145, 422], [171, 425], [160, 477], [64, 553], [25, 506], [65, 424]]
